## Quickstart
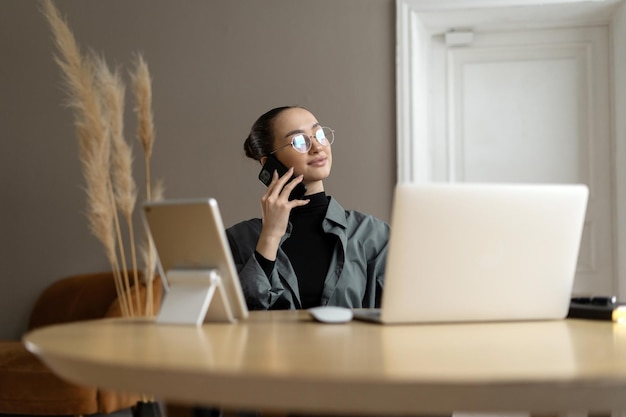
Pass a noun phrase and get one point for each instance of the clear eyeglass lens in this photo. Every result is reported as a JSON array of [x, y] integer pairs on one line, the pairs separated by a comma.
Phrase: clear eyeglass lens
[[328, 136], [320, 135], [301, 143]]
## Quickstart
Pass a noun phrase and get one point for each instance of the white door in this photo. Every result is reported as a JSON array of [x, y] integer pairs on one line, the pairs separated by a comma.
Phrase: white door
[[520, 91], [531, 106]]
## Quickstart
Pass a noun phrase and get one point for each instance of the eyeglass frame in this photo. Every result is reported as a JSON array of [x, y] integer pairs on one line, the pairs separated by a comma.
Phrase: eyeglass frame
[[310, 137]]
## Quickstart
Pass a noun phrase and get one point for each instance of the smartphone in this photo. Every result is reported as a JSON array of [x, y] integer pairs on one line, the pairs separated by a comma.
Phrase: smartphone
[[273, 164]]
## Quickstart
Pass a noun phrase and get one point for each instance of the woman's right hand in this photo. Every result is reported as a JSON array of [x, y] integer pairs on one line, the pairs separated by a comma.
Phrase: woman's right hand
[[275, 208]]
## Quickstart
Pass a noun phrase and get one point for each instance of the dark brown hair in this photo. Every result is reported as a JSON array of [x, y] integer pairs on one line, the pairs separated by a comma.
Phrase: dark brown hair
[[260, 141]]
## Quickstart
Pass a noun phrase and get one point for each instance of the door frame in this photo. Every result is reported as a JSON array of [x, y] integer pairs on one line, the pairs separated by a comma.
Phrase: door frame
[[418, 20]]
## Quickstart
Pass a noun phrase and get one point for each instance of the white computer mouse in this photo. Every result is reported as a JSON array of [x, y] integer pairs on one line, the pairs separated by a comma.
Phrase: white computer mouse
[[331, 314]]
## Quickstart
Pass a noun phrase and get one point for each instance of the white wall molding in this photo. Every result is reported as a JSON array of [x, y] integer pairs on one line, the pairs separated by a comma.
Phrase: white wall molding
[[618, 29]]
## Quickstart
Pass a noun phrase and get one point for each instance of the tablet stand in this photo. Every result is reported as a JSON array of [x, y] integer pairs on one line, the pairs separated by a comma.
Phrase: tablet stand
[[195, 296]]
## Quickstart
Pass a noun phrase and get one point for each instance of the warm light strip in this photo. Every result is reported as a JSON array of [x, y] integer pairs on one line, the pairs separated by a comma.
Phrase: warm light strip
[[619, 314]]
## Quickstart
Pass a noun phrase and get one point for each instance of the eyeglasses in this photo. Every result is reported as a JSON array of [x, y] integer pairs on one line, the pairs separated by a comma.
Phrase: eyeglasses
[[302, 142]]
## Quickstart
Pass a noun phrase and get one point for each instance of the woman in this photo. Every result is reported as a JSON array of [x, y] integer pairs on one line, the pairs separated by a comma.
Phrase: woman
[[311, 251]]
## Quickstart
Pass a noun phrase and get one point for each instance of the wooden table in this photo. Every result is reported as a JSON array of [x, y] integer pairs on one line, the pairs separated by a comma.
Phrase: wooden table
[[284, 361]]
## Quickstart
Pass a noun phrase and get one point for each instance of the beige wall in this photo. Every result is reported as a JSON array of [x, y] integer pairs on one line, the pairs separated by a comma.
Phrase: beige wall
[[216, 66]]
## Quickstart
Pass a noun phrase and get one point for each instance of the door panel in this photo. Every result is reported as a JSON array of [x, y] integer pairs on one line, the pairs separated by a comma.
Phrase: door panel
[[530, 106]]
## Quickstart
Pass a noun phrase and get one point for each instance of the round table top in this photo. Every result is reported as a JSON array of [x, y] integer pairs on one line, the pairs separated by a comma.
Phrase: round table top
[[283, 360]]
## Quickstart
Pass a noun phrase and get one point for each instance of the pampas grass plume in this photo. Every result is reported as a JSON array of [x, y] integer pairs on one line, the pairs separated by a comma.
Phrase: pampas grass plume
[[142, 82], [142, 87], [125, 190]]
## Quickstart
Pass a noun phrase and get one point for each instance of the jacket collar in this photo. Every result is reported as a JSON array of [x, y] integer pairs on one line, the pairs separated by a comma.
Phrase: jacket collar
[[335, 214]]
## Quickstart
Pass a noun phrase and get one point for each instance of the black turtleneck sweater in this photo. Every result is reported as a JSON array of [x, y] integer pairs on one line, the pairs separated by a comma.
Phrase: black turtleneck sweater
[[309, 249]]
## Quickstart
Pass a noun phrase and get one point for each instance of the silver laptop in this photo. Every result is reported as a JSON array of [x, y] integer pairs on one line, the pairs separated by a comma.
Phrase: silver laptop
[[481, 252]]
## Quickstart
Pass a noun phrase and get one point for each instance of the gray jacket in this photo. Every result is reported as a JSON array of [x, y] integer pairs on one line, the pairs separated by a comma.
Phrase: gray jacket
[[355, 277]]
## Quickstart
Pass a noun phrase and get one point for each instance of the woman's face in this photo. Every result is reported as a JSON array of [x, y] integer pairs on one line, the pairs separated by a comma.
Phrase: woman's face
[[316, 163]]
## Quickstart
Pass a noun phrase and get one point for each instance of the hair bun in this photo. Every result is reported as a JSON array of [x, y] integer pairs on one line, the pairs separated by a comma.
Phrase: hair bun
[[249, 149]]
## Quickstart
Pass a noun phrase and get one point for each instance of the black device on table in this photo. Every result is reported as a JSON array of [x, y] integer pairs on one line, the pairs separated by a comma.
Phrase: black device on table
[[596, 308]]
